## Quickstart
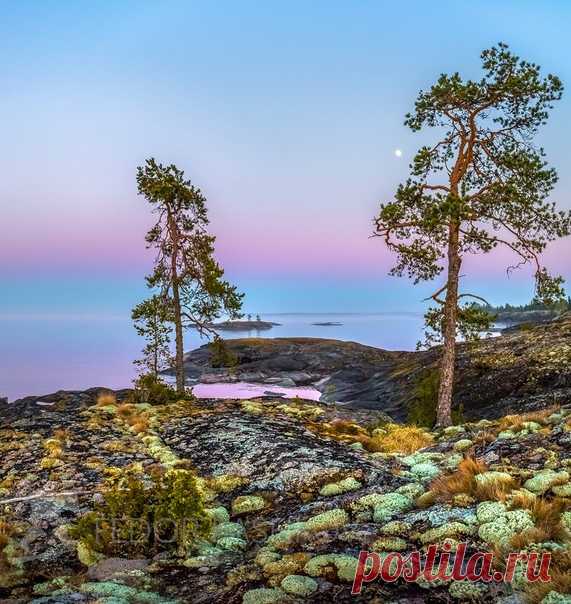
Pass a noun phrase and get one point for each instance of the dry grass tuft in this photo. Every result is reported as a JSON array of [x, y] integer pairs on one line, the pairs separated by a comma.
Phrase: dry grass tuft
[[560, 571], [462, 481], [515, 422], [104, 399], [394, 438], [494, 490], [125, 410], [546, 515]]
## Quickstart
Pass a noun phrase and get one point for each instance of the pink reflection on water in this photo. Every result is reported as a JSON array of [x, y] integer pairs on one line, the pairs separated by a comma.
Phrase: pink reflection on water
[[246, 390]]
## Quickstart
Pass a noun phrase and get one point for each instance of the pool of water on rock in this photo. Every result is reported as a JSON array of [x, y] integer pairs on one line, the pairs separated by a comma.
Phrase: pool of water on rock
[[246, 390]]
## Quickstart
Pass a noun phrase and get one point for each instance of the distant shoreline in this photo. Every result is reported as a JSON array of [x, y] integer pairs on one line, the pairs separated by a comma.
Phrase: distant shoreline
[[243, 325]]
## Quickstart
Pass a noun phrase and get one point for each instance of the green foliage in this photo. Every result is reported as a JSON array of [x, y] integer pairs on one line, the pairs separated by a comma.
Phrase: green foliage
[[150, 389], [221, 355], [151, 318], [481, 185], [422, 408], [144, 515], [484, 178], [185, 250], [472, 321]]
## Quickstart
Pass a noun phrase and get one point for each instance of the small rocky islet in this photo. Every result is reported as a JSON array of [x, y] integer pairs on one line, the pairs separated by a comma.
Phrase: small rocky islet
[[281, 495]]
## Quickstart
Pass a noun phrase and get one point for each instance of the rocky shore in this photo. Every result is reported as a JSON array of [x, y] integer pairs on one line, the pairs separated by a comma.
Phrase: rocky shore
[[279, 497], [518, 371], [292, 492]]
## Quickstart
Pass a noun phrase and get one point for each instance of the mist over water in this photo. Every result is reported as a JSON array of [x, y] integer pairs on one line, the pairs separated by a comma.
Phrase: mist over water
[[39, 355]]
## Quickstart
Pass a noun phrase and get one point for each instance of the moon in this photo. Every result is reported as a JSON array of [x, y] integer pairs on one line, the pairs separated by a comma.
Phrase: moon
[[398, 152]]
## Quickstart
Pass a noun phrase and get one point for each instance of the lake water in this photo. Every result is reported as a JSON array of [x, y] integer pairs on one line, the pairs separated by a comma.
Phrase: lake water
[[39, 355]]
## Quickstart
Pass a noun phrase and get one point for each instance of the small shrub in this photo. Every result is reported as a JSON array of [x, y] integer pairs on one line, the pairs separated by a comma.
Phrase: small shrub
[[143, 515], [151, 389], [221, 355]]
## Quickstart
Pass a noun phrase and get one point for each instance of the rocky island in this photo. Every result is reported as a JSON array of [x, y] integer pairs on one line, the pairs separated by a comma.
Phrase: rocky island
[[239, 325], [282, 495]]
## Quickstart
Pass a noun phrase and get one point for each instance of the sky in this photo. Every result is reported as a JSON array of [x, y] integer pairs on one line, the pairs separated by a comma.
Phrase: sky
[[286, 114]]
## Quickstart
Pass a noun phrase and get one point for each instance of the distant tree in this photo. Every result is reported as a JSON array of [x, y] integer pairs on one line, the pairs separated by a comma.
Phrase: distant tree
[[151, 320], [258, 318], [249, 317], [188, 277], [481, 185]]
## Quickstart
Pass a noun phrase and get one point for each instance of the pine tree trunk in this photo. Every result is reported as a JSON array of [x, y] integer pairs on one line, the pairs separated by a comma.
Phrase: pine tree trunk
[[179, 356], [179, 343], [444, 409]]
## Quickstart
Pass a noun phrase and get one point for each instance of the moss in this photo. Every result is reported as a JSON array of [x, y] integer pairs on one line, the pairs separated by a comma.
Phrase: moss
[[554, 597], [305, 412], [86, 555], [159, 451], [566, 519], [298, 585], [345, 566], [228, 529], [337, 488], [247, 504], [333, 519], [218, 515], [505, 526], [252, 407], [265, 556], [462, 444], [109, 591], [396, 527], [467, 590], [488, 478], [412, 490], [385, 505], [232, 543], [424, 472], [283, 538], [389, 544], [263, 596], [420, 457], [226, 483], [450, 529], [544, 480], [488, 511], [290, 564]]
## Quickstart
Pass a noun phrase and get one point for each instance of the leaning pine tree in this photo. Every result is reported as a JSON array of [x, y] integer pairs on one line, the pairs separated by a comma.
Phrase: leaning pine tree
[[483, 184], [189, 279]]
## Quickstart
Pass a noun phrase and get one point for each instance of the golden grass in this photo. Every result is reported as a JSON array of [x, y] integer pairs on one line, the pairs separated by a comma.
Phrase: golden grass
[[124, 410], [546, 514], [394, 438], [461, 481], [515, 422], [560, 572], [391, 438], [104, 399]]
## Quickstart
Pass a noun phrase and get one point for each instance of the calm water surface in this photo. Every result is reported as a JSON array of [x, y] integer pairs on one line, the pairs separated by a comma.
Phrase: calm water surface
[[39, 355]]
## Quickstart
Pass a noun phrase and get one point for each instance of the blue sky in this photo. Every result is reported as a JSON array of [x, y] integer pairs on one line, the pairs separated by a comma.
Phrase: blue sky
[[286, 114]]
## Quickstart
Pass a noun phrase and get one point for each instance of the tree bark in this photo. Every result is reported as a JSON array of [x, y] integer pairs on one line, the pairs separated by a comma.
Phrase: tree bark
[[179, 359], [444, 409], [179, 342]]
